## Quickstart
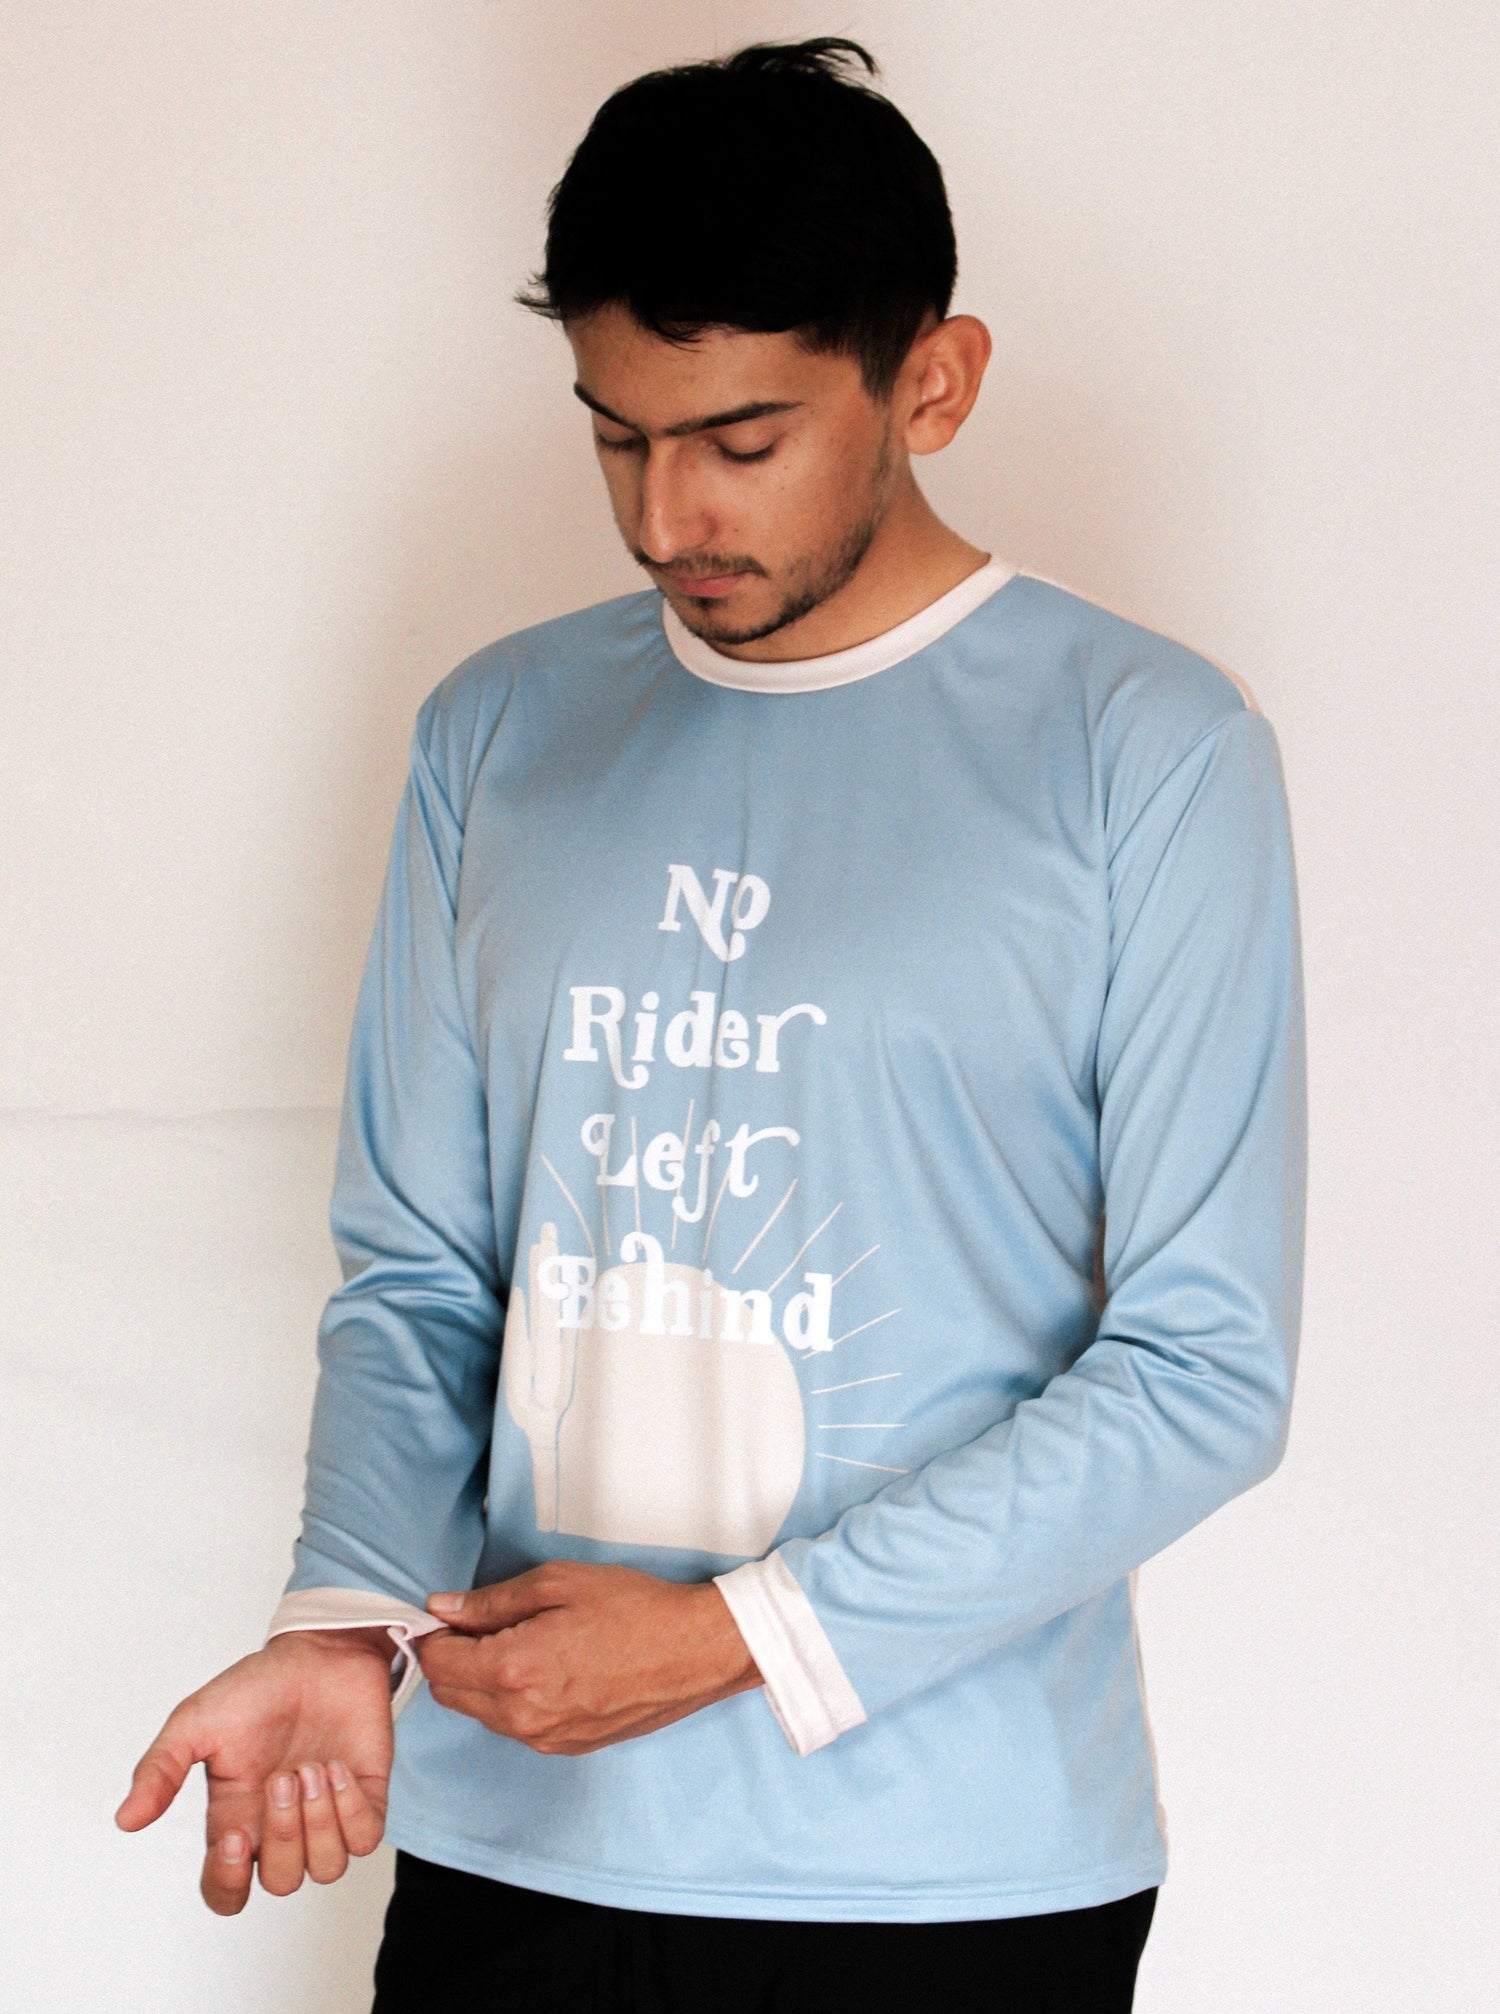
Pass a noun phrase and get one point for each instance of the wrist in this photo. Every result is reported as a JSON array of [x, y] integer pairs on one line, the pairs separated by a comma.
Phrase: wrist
[[730, 1667], [371, 1639]]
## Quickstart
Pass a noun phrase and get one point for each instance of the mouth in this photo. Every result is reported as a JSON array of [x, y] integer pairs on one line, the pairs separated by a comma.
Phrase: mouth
[[705, 587]]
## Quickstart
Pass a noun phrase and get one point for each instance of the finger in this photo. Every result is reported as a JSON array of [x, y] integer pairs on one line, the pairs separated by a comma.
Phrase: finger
[[282, 1860], [452, 1660], [159, 1775], [461, 1610], [524, 1720], [495, 1665], [359, 1819], [470, 1699], [227, 1867], [505, 1710], [323, 1841]]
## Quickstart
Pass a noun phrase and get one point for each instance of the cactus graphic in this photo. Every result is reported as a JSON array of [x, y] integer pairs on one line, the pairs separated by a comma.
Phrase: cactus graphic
[[538, 1364]]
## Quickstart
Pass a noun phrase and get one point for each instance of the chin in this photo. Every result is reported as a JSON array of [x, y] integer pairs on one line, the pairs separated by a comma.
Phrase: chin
[[713, 623], [711, 628], [716, 625]]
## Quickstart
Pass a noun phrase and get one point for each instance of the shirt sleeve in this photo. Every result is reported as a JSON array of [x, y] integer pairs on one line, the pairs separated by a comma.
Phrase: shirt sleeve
[[409, 1344], [349, 1608], [1182, 1400]]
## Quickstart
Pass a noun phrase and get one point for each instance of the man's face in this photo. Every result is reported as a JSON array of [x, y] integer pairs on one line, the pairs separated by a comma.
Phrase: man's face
[[748, 475]]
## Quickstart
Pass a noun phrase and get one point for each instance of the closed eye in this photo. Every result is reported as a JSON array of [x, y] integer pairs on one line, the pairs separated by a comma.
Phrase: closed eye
[[628, 444]]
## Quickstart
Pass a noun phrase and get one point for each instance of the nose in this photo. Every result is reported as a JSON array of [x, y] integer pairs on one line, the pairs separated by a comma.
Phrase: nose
[[674, 520]]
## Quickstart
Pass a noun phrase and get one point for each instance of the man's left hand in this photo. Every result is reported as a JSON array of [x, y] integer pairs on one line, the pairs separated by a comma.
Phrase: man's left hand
[[568, 1658]]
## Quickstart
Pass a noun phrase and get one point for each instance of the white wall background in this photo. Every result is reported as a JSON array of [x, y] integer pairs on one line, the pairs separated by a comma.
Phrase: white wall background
[[277, 452]]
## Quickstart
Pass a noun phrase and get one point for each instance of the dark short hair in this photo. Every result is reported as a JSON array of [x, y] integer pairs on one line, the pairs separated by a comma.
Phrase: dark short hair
[[769, 190]]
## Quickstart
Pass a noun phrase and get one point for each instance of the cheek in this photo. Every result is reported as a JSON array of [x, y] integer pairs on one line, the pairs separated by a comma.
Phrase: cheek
[[796, 489], [819, 495]]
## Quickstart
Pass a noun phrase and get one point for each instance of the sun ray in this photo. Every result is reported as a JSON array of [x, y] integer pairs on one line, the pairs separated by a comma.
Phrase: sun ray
[[858, 1262], [764, 1228], [708, 1233], [864, 1325], [850, 1463], [803, 1247], [593, 1254], [816, 1391]]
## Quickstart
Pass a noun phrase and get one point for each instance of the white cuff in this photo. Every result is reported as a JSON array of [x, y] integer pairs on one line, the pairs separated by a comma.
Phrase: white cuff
[[806, 1687], [355, 1608]]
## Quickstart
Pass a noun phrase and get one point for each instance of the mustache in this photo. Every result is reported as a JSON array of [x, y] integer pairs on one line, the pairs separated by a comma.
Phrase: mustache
[[705, 568]]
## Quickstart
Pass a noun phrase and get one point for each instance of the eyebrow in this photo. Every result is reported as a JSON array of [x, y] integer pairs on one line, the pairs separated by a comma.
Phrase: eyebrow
[[757, 409]]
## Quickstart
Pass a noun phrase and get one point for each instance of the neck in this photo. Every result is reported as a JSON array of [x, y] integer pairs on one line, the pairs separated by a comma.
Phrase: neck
[[912, 560]]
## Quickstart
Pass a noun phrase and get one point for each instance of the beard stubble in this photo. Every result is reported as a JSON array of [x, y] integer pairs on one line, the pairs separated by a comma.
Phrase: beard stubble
[[815, 579]]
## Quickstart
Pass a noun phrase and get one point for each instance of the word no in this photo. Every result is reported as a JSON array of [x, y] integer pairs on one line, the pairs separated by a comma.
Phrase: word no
[[751, 901]]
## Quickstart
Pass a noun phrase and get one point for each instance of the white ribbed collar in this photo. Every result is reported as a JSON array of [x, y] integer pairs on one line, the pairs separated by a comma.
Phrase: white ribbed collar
[[836, 667]]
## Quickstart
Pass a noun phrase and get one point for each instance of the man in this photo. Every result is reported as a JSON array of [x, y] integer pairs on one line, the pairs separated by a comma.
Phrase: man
[[820, 1184]]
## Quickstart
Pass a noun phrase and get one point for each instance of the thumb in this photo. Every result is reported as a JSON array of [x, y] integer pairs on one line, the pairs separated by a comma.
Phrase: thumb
[[498, 1606], [159, 1775]]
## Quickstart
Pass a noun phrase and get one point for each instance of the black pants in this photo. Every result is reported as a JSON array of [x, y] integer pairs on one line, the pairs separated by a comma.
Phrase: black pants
[[460, 1944]]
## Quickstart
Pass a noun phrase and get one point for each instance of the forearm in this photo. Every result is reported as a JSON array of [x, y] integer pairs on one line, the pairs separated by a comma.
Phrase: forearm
[[399, 1434], [1115, 1460]]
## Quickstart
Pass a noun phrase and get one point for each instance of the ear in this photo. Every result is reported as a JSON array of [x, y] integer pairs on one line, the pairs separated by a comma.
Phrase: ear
[[940, 381]]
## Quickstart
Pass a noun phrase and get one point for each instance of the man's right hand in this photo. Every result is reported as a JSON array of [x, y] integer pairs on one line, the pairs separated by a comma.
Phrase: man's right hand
[[296, 1744]]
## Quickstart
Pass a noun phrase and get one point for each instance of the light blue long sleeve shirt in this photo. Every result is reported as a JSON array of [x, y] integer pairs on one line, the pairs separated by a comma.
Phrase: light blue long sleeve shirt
[[847, 1140]]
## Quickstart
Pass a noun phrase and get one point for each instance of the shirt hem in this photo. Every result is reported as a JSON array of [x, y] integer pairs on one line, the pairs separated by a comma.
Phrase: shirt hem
[[888, 1903]]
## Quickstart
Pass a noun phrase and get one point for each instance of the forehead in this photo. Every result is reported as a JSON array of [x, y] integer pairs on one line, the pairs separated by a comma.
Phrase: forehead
[[656, 384]]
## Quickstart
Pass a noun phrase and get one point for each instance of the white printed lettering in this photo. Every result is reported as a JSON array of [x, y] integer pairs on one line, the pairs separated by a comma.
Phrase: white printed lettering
[[645, 1029], [733, 1045], [692, 1039], [683, 882], [804, 1319], [739, 1146], [587, 1016], [569, 1279], [758, 1301], [661, 1164], [614, 1300], [595, 1134], [688, 1041], [771, 1026], [753, 911]]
